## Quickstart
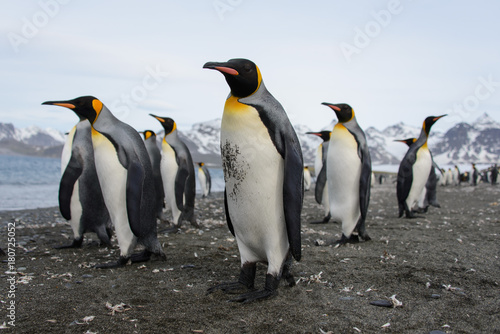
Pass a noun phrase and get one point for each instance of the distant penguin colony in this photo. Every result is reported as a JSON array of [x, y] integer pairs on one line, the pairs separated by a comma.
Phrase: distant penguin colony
[[112, 180], [263, 170], [126, 179]]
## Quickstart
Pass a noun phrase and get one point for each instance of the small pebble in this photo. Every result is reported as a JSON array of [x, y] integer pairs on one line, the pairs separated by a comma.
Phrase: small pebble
[[87, 276], [435, 296], [382, 303]]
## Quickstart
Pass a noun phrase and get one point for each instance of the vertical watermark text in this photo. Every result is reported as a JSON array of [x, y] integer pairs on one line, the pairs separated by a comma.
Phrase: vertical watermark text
[[11, 274]]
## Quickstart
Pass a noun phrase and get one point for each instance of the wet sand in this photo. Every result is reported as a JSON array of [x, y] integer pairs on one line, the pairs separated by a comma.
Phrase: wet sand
[[444, 268]]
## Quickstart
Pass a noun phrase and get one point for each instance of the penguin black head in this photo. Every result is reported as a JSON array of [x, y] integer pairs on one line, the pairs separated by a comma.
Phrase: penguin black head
[[242, 75], [407, 141], [87, 107], [168, 124], [325, 135], [429, 121], [201, 164], [343, 111], [148, 134]]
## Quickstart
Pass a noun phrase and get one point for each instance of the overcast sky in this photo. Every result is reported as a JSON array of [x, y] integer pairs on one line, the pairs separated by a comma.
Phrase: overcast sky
[[392, 61]]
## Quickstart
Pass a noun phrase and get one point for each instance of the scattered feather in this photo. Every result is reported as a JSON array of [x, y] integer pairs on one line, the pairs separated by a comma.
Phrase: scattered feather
[[387, 325], [122, 307]]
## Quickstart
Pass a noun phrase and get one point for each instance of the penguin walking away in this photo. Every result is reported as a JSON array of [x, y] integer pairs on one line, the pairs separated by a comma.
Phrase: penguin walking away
[[264, 187], [307, 178], [204, 179], [494, 174], [321, 189], [429, 194], [475, 175], [126, 179], [155, 157], [414, 170], [80, 196], [349, 171], [177, 172]]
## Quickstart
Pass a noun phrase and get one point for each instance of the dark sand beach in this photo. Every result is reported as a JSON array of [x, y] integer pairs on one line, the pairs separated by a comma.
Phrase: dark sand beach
[[444, 268]]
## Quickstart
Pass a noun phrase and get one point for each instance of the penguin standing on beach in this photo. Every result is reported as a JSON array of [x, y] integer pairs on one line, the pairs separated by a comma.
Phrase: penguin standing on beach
[[307, 178], [204, 179], [264, 187], [349, 171], [155, 157], [429, 194], [126, 179], [414, 170], [456, 176], [80, 197], [177, 172], [321, 189]]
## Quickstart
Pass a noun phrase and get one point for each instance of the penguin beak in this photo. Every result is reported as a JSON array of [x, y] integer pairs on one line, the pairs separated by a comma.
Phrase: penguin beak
[[221, 67], [314, 133], [60, 104], [158, 118], [331, 105], [438, 117]]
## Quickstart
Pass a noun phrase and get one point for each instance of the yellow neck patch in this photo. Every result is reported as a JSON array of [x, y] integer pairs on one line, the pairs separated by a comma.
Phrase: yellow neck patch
[[97, 105]]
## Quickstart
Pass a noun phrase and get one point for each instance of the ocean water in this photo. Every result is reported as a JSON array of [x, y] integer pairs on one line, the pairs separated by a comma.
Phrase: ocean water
[[32, 182], [28, 182]]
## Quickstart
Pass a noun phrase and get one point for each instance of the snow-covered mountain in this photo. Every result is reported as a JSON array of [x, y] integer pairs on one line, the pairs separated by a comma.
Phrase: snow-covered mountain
[[478, 142], [30, 141]]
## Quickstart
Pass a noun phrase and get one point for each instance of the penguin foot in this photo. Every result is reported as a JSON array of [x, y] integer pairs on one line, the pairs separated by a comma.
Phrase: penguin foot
[[353, 239], [122, 261], [245, 281], [230, 288], [143, 256], [255, 295], [77, 243], [173, 229], [270, 290]]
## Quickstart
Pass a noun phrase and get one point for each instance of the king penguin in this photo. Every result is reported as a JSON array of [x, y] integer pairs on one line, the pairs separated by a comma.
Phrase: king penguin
[[126, 179], [204, 179], [429, 194], [321, 189], [263, 173], [414, 170], [80, 196], [155, 157], [177, 172], [307, 178], [349, 171]]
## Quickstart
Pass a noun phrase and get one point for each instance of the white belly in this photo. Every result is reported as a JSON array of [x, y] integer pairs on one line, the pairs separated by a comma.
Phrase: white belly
[[343, 175], [253, 171], [76, 211], [113, 180], [169, 169], [67, 148], [421, 170]]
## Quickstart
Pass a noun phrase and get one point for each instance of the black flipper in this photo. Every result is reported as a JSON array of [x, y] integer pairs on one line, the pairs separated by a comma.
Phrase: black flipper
[[228, 217], [69, 178], [135, 181], [320, 184]]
